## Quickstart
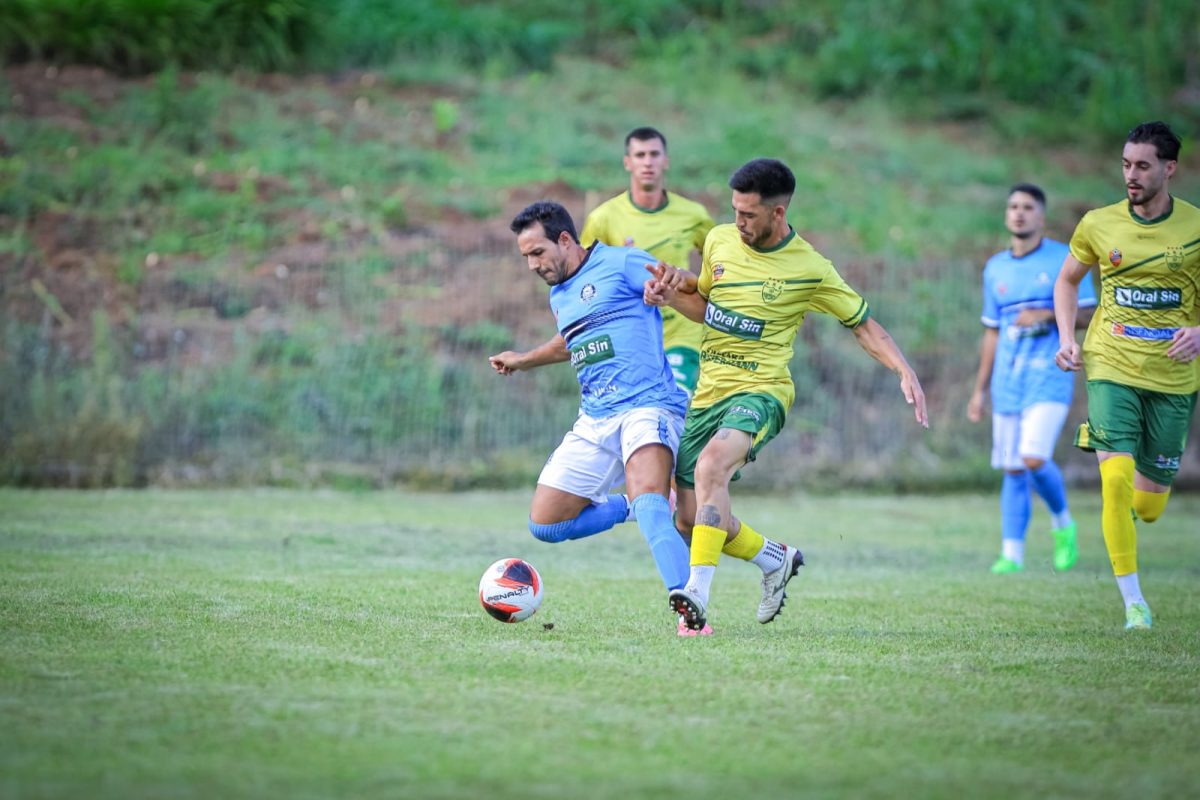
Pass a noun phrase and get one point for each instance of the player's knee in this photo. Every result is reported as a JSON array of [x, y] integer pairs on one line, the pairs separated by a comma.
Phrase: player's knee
[[1033, 462], [553, 533], [1149, 506]]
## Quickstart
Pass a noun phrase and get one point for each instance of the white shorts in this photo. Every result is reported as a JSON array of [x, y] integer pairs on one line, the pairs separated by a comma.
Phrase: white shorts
[[1031, 433], [591, 458]]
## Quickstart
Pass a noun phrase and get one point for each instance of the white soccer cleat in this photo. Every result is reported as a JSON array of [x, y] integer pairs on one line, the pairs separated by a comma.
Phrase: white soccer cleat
[[690, 606], [774, 585]]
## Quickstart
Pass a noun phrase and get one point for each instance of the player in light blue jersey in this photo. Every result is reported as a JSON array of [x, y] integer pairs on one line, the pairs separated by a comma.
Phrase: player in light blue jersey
[[1030, 395], [631, 409]]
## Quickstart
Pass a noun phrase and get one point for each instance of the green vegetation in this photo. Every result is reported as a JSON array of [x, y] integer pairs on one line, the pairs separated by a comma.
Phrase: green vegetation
[[214, 276], [271, 643]]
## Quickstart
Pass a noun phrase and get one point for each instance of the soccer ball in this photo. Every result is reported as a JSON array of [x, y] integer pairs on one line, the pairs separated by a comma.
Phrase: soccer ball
[[510, 590]]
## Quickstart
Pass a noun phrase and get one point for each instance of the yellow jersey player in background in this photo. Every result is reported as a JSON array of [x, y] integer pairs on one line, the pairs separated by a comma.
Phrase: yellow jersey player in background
[[668, 226], [1141, 345], [757, 283]]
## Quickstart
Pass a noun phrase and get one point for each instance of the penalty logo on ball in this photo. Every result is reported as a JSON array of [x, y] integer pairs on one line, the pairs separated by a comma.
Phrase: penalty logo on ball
[[510, 590]]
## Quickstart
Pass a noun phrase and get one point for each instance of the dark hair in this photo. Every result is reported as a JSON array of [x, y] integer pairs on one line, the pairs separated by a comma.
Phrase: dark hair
[[644, 134], [770, 179], [1030, 189], [553, 217], [1166, 143]]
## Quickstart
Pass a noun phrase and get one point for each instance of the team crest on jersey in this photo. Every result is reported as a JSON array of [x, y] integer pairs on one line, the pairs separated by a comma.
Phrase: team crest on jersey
[[1115, 257], [772, 289], [718, 271], [1174, 257], [587, 293]]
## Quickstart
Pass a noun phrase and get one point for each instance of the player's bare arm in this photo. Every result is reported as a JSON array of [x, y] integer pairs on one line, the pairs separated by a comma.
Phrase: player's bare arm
[[551, 352], [1185, 345], [983, 375], [873, 338], [1066, 312]]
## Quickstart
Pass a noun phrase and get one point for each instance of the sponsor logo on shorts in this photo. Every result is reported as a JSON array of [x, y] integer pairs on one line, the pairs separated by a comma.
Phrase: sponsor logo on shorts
[[1150, 297], [733, 323], [1139, 332], [1167, 463], [745, 412], [1015, 332], [593, 351], [1114, 256]]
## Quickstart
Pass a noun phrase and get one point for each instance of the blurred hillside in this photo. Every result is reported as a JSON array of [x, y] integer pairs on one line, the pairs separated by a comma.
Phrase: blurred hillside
[[267, 242]]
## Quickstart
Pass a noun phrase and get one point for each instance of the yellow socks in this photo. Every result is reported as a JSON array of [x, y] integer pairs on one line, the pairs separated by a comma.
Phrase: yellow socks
[[1120, 534], [745, 545], [1149, 506], [707, 542]]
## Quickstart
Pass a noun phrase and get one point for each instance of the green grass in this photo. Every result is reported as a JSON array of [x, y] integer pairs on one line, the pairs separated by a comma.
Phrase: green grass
[[289, 644]]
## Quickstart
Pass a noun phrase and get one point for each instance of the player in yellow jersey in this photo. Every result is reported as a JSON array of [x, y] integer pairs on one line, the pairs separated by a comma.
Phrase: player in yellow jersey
[[1141, 346], [667, 225], [757, 282]]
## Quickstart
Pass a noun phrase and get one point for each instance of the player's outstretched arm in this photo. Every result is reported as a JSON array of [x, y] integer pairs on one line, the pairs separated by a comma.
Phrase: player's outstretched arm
[[551, 352], [1066, 308], [879, 344]]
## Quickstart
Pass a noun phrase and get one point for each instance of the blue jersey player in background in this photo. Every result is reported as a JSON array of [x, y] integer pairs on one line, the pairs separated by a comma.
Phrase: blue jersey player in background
[[1030, 395], [631, 409]]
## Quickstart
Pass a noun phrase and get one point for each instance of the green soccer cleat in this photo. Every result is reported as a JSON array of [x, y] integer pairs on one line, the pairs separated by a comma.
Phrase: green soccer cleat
[[1137, 616], [1003, 566], [1066, 547]]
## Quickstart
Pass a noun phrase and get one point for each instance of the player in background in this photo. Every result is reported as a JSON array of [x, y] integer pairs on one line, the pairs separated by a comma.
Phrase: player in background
[[668, 226], [1141, 346], [757, 282], [1030, 395], [631, 410]]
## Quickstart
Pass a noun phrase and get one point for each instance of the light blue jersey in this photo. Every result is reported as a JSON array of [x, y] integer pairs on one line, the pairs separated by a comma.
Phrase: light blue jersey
[[615, 339], [1024, 372]]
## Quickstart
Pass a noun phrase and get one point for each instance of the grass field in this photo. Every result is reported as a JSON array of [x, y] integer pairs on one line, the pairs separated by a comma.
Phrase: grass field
[[288, 644]]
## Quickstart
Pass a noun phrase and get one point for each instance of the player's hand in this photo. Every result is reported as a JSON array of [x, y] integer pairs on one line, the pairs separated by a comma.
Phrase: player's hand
[[975, 406], [661, 288], [505, 363], [1185, 345], [914, 395], [1067, 357]]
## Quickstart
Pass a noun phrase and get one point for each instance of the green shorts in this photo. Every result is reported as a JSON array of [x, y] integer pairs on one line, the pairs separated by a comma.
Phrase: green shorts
[[759, 415], [685, 366], [1153, 426]]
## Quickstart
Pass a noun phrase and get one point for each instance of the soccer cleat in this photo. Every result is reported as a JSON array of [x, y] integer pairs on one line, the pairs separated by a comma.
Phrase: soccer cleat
[[774, 583], [1137, 615], [1066, 547], [684, 630], [1004, 566], [690, 607]]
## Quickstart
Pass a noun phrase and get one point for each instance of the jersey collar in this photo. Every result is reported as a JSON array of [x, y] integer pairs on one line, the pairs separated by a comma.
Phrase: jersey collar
[[665, 202], [1143, 220]]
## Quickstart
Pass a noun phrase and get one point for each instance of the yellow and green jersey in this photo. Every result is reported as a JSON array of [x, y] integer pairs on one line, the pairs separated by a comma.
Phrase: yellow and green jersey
[[668, 233], [757, 300], [1149, 284]]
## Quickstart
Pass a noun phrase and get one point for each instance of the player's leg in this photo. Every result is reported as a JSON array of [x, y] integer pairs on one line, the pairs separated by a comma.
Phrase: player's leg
[[1113, 431], [1041, 424], [571, 500], [1014, 492], [649, 438], [1167, 420]]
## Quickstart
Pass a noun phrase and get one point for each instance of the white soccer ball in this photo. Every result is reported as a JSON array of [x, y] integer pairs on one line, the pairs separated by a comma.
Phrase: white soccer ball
[[510, 590]]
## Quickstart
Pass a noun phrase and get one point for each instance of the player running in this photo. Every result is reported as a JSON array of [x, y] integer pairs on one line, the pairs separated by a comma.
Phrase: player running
[[668, 226], [1141, 346], [1030, 396], [757, 282], [631, 410]]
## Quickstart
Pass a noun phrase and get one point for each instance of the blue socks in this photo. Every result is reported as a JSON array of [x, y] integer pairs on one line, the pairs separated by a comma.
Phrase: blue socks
[[596, 518], [1015, 505], [666, 545], [1048, 481]]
